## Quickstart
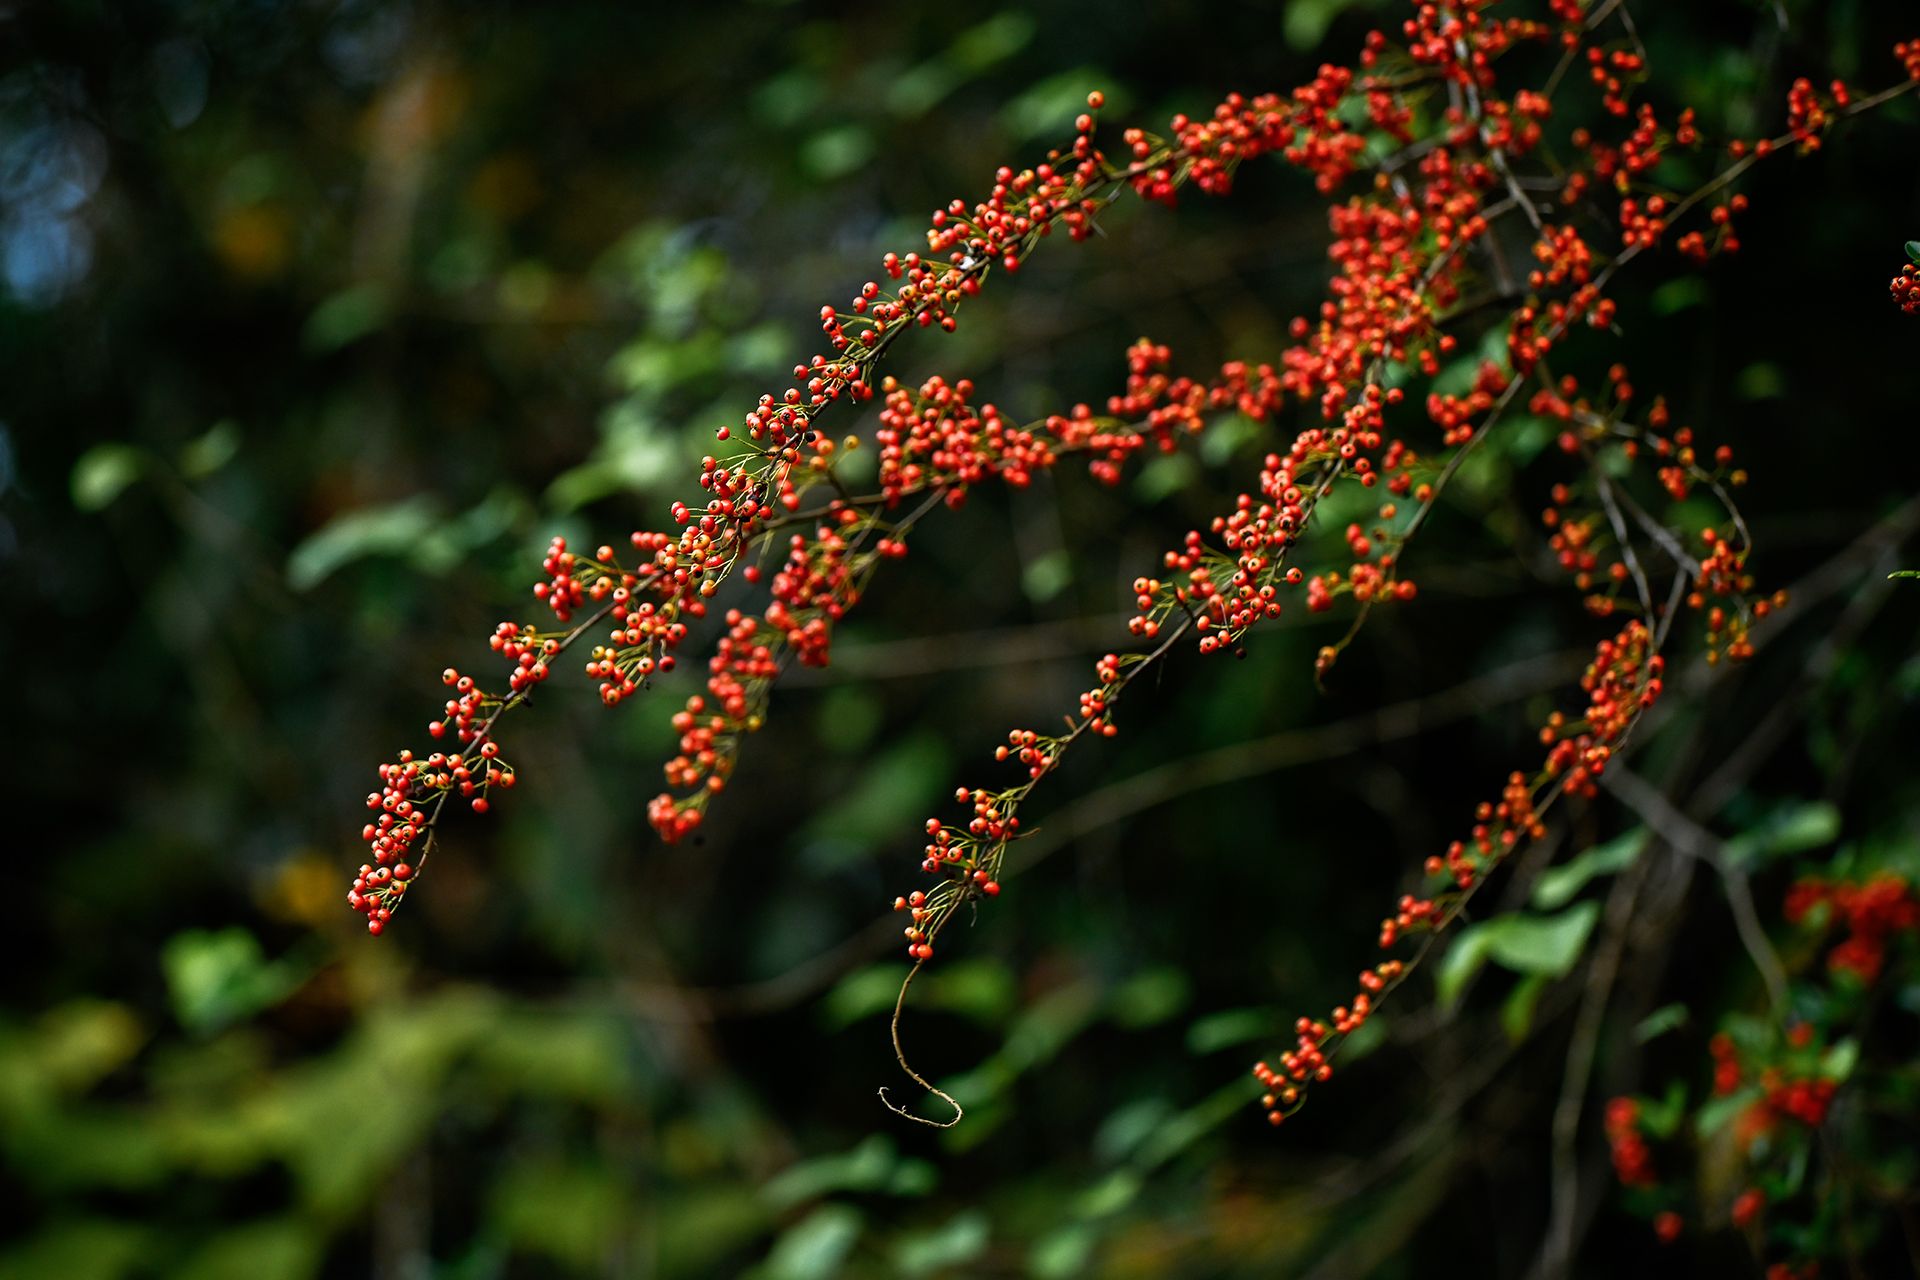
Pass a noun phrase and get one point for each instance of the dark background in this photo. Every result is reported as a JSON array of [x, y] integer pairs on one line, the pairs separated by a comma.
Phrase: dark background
[[318, 320]]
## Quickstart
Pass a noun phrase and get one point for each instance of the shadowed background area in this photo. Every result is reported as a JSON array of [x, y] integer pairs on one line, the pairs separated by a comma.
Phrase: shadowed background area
[[318, 320]]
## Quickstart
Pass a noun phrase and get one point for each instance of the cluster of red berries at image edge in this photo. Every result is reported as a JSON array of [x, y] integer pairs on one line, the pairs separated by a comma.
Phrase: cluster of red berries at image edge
[[1906, 285], [1773, 1082]]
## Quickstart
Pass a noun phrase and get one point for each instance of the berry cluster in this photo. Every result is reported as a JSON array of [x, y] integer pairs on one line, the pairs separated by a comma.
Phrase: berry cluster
[[1632, 1157], [1450, 159], [1772, 1094], [1622, 682], [1906, 288], [1874, 913]]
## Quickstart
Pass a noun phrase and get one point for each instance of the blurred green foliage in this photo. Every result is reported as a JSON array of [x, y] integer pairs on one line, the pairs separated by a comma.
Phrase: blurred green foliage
[[317, 321]]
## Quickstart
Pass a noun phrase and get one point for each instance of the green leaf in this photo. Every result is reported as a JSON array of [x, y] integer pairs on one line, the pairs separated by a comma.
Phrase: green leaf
[[1131, 1124], [1679, 294], [1905, 573], [1461, 961], [1548, 945], [1716, 1115], [1838, 1062], [1364, 1039], [1527, 944], [1231, 1027], [1913, 252], [103, 474], [1166, 475], [1794, 828], [103, 1248], [836, 152], [1109, 1195], [1558, 886], [347, 316], [375, 531], [1049, 106], [1063, 1252], [1662, 1020], [863, 993], [1304, 23], [867, 1167], [1761, 381], [1151, 997], [269, 1247], [902, 782], [814, 1248], [993, 41], [1516, 1013], [960, 1241], [216, 979], [1662, 1119], [1047, 575], [212, 451]]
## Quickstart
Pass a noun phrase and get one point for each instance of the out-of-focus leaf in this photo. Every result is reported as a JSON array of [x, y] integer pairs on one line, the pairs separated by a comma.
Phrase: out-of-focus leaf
[[206, 454], [1150, 998], [1527, 944], [814, 1248], [96, 1248], [1547, 945], [993, 41], [88, 1148], [1231, 1027], [1558, 886], [568, 1212], [1304, 23], [346, 317], [580, 1055], [982, 990], [70, 1050], [1188, 1127], [1047, 575], [1761, 381], [1678, 294], [1049, 106], [103, 474], [449, 542], [1838, 1062], [867, 1167], [1063, 1252], [216, 979], [1662, 1119], [1129, 1125], [1516, 1012], [837, 152], [1364, 1039], [1109, 1195], [375, 531], [1462, 959], [861, 994], [959, 1241], [1717, 1114], [903, 781], [1795, 828], [278, 1247], [1662, 1020], [697, 1230], [1167, 474]]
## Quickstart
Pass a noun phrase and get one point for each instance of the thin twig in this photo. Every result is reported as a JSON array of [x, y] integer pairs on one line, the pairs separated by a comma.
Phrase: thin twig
[[1688, 837]]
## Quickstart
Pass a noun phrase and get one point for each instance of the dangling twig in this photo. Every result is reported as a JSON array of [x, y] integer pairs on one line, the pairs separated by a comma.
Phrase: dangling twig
[[900, 1056]]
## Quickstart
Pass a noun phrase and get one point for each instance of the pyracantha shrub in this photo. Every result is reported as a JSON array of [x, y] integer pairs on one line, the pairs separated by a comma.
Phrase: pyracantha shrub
[[1462, 216]]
